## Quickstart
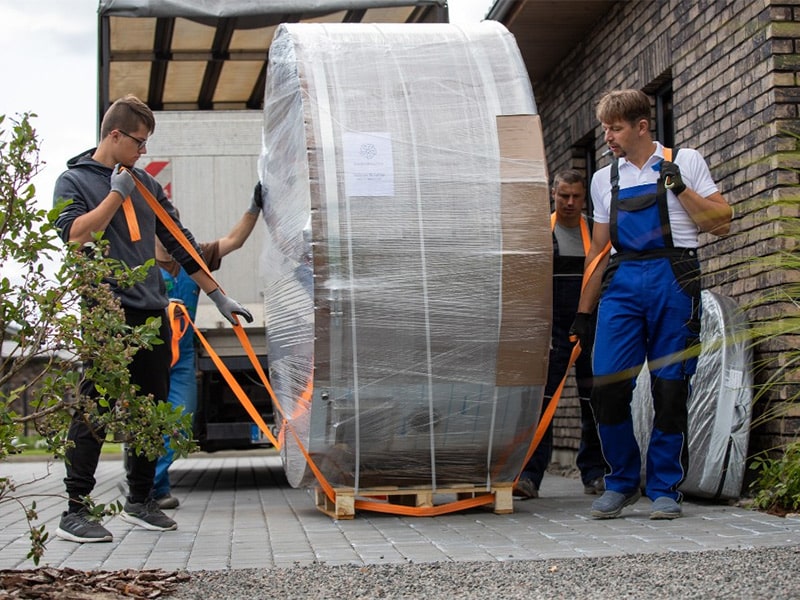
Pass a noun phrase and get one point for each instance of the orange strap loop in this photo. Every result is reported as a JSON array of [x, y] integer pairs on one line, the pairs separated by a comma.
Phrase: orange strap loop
[[179, 323], [241, 335], [178, 311], [181, 309], [424, 511], [130, 218]]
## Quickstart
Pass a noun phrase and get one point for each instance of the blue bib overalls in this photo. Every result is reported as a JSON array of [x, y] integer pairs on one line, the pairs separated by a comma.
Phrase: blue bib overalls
[[649, 310], [183, 378]]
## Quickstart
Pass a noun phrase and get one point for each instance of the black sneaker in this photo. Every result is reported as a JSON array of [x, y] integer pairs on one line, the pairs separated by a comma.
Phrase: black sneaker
[[167, 501], [81, 527], [525, 489], [148, 515], [595, 486]]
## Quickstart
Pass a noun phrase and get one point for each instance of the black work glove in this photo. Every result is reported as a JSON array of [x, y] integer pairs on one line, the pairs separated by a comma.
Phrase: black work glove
[[672, 177], [257, 201], [581, 329]]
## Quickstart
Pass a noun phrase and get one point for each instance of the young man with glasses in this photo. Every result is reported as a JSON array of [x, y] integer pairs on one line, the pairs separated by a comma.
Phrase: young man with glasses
[[142, 144], [97, 185]]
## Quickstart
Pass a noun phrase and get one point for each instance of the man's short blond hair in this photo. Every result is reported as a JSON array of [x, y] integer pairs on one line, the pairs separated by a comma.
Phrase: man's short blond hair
[[623, 105]]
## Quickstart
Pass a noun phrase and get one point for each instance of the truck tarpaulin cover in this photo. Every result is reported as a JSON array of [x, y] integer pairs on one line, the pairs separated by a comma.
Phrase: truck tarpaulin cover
[[408, 256], [238, 8]]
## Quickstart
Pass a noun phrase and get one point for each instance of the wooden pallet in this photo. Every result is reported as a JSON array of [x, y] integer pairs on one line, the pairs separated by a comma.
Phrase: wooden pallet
[[416, 496]]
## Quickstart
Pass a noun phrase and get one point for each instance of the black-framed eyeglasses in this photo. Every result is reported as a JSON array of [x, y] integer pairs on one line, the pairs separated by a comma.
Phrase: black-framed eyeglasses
[[142, 143]]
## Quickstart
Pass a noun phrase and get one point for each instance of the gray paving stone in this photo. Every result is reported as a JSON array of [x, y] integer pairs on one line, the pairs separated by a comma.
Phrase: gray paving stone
[[237, 511]]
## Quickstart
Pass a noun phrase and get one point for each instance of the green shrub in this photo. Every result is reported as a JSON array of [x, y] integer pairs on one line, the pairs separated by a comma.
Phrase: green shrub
[[778, 484]]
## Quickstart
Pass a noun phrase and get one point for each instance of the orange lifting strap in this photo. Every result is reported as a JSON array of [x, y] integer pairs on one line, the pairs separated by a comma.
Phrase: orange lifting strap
[[178, 325], [550, 410], [130, 218], [178, 313]]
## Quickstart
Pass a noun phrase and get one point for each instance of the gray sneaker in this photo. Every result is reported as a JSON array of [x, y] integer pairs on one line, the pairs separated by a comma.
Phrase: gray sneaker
[[81, 527], [611, 503], [665, 507], [148, 515]]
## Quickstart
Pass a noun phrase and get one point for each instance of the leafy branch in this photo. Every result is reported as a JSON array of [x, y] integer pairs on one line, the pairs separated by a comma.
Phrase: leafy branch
[[61, 325]]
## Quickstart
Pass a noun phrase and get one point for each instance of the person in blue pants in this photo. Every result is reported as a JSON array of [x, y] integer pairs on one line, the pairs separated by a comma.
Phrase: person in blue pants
[[650, 203], [571, 242], [108, 194], [181, 287]]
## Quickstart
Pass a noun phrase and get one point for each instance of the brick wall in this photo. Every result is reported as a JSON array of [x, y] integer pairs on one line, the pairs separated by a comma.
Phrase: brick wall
[[734, 68]]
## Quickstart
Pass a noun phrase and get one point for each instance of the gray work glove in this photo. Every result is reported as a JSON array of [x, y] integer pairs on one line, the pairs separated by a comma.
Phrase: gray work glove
[[121, 181], [672, 177], [257, 201], [229, 307]]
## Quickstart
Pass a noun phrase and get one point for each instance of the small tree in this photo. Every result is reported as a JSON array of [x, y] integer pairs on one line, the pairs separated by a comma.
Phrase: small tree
[[61, 324]]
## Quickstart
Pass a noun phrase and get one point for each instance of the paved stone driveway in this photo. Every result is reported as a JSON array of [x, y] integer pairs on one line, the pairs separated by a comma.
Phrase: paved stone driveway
[[237, 511]]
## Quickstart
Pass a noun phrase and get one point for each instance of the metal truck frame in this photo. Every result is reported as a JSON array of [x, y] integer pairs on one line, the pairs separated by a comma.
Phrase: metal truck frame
[[201, 66]]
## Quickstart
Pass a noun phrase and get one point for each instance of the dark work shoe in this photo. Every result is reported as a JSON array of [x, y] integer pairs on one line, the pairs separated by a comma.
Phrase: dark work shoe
[[167, 501], [665, 507], [525, 489], [148, 515], [81, 527], [610, 504], [595, 486]]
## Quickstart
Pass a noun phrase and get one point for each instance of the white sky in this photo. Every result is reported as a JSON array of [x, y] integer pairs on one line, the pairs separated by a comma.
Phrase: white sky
[[48, 62]]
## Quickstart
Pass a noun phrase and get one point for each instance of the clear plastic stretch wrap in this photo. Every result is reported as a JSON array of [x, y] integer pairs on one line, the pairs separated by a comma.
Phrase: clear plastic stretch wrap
[[720, 403], [408, 256]]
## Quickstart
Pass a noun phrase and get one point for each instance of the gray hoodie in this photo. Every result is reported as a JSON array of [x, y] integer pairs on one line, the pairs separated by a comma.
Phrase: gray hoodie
[[86, 183]]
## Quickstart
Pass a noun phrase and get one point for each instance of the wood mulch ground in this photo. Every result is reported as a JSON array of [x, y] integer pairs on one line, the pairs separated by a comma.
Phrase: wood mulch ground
[[46, 583]]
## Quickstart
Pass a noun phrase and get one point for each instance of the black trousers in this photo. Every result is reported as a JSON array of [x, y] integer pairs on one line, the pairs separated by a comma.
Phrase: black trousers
[[590, 461], [150, 371]]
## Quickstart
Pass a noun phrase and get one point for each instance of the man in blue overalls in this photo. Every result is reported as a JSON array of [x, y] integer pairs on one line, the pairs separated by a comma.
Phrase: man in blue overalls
[[651, 208]]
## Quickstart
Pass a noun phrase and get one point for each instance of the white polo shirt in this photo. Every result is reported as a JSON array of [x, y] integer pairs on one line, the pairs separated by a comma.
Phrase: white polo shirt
[[694, 172]]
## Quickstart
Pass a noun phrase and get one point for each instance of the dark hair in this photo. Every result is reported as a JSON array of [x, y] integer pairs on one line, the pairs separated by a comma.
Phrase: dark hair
[[568, 176], [627, 105], [128, 114]]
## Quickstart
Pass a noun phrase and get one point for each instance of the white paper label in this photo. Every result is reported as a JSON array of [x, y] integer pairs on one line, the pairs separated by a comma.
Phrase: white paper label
[[368, 165]]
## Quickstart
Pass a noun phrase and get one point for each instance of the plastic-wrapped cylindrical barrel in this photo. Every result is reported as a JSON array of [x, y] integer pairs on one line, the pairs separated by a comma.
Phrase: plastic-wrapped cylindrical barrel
[[720, 401], [408, 260]]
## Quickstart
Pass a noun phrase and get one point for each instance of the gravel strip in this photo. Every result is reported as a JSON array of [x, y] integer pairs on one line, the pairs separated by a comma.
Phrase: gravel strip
[[772, 573]]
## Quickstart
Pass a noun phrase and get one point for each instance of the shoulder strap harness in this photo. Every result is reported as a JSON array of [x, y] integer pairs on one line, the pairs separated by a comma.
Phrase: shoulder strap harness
[[660, 197]]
